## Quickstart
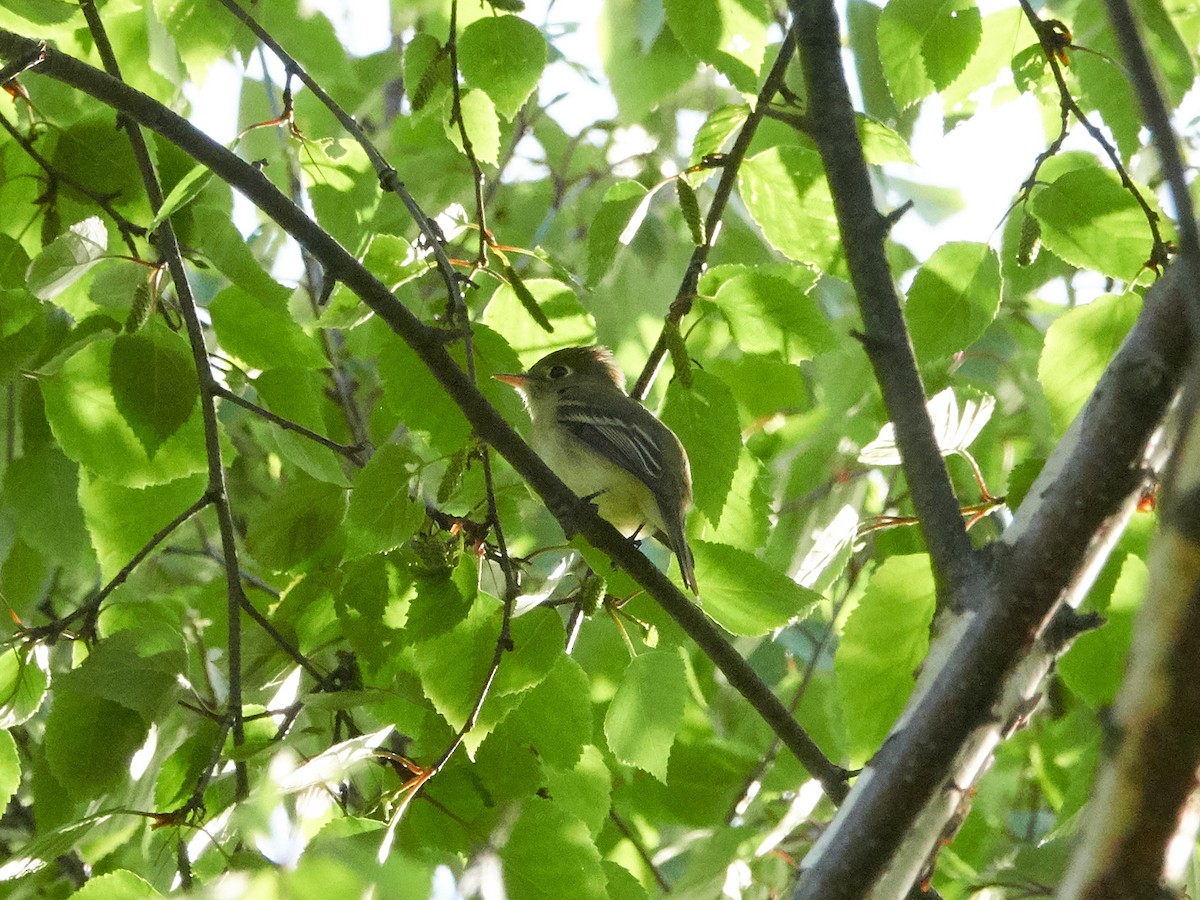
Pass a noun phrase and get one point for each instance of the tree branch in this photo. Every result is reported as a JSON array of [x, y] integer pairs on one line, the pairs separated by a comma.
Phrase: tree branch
[[574, 514], [1144, 787], [863, 231], [169, 246], [986, 666], [686, 294]]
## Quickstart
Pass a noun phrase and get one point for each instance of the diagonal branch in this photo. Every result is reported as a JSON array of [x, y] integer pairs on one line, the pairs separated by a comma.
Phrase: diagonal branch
[[572, 513], [985, 671]]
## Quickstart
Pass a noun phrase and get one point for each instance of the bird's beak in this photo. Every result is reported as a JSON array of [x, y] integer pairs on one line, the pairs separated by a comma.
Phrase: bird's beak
[[517, 381]]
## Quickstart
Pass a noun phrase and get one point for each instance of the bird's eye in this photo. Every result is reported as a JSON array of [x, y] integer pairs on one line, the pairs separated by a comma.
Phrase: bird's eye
[[558, 372]]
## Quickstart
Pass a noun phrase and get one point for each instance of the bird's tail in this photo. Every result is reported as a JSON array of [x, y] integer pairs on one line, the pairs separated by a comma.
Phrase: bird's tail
[[687, 566]]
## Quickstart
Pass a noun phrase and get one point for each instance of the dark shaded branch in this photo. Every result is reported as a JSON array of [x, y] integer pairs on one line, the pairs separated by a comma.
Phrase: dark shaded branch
[[1089, 476], [169, 246], [863, 231], [1142, 791], [31, 55], [686, 294], [572, 513]]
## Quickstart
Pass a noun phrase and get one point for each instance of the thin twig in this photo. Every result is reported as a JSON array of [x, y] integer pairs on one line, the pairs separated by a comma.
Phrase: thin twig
[[389, 178], [351, 453], [91, 606], [686, 294], [623, 827], [1046, 37], [128, 229], [1158, 119], [169, 246], [456, 118]]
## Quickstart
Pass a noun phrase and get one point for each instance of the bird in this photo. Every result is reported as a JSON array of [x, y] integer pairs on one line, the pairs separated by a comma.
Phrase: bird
[[608, 448]]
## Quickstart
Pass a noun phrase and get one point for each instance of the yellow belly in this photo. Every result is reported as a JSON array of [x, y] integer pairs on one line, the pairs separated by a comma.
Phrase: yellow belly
[[621, 499]]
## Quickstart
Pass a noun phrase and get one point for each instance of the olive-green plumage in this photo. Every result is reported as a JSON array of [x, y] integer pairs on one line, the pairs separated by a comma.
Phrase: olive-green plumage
[[605, 445]]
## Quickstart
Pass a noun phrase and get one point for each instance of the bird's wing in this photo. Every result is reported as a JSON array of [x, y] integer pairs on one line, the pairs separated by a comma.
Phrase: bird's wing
[[631, 442]]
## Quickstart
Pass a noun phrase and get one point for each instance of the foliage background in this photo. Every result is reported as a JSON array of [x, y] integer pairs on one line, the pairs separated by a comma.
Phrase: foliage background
[[378, 590]]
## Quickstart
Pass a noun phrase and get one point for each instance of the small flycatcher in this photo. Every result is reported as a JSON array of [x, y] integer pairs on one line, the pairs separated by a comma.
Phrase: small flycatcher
[[606, 446]]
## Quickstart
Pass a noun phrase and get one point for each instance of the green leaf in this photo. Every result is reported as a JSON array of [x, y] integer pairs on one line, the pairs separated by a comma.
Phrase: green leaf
[[608, 225], [1089, 220], [89, 742], [122, 519], [743, 594], [555, 716], [84, 417], [705, 419], [67, 259], [621, 883], [202, 35], [10, 768], [298, 520], [119, 885], [513, 318], [645, 713], [259, 330], [122, 668], [504, 57], [926, 44], [532, 873], [185, 191], [528, 301], [884, 639], [154, 384], [179, 773], [722, 123], [298, 396], [1079, 346], [745, 518], [1021, 479], [452, 667], [538, 639], [769, 314], [584, 790], [415, 398], [953, 299], [882, 144], [40, 490], [362, 609], [786, 194], [642, 69], [1095, 665], [729, 35], [481, 124], [24, 678], [383, 513]]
